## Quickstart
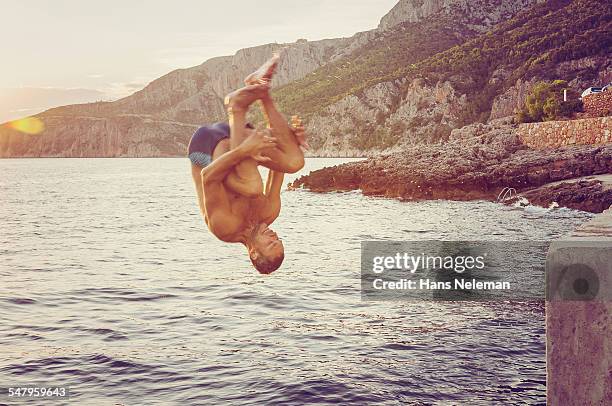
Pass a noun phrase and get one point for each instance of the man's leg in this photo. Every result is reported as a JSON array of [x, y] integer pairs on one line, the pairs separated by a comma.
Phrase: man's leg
[[287, 157], [245, 178]]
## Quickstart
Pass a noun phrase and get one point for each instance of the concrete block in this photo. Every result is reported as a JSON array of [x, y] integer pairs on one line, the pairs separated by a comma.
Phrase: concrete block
[[578, 305]]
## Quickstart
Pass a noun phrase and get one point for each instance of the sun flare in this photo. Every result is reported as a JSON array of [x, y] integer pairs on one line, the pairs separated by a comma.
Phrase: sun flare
[[28, 125]]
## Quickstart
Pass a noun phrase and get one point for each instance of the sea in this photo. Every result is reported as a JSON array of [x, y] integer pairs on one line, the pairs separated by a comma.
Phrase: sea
[[112, 287]]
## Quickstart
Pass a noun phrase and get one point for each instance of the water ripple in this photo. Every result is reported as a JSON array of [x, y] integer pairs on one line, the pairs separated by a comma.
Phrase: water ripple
[[117, 290]]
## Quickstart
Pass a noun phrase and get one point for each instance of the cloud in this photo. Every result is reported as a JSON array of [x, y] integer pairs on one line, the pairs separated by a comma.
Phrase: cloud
[[118, 90], [25, 111]]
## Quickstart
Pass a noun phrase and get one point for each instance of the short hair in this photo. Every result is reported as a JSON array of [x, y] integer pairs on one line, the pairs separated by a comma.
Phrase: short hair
[[265, 265]]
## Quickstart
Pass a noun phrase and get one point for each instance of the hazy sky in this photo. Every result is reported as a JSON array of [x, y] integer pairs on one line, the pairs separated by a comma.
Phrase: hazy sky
[[116, 47]]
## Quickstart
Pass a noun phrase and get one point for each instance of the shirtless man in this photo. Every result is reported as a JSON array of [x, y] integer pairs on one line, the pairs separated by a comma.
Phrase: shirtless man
[[224, 160]]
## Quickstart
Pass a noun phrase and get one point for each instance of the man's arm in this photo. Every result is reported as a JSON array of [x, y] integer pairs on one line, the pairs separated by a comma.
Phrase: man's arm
[[221, 221], [287, 157], [252, 147], [274, 184], [222, 166]]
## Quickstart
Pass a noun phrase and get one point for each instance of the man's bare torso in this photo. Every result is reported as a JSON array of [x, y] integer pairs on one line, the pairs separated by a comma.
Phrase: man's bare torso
[[249, 210]]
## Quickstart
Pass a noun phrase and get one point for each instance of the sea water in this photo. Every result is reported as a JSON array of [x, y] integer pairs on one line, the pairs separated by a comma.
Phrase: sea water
[[111, 284]]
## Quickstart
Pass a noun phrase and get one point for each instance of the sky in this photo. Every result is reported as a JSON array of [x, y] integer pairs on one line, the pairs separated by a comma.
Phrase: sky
[[67, 51]]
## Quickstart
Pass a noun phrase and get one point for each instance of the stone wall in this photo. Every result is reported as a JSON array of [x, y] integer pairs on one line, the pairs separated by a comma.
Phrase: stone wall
[[598, 104], [554, 134]]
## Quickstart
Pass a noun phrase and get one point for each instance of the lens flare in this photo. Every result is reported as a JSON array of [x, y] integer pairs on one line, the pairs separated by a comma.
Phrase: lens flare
[[28, 125]]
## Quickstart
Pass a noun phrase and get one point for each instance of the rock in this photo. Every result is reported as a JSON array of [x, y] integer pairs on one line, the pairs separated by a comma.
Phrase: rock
[[128, 135], [422, 113], [508, 103], [588, 194], [598, 105], [191, 97], [573, 69], [466, 168], [553, 134], [482, 14], [159, 119]]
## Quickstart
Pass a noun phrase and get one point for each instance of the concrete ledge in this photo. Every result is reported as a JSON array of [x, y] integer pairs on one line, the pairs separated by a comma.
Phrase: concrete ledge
[[578, 305]]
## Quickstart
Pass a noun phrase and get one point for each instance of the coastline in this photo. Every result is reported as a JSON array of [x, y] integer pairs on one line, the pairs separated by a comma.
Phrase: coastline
[[478, 163]]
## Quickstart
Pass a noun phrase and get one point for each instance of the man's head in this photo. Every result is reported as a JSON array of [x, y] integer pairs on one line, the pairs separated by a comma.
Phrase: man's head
[[265, 249]]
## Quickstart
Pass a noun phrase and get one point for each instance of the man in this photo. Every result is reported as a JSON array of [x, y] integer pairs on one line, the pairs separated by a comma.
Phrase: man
[[224, 162]]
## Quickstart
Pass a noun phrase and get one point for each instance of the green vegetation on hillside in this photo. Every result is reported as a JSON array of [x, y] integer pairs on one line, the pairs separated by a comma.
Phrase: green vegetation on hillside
[[545, 103], [387, 52], [529, 45]]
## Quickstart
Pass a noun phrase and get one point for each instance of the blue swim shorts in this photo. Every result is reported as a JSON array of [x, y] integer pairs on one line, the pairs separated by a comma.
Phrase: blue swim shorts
[[204, 141]]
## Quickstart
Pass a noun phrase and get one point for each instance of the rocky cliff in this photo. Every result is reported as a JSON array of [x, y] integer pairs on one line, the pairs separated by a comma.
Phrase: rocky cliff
[[384, 116], [416, 82], [78, 136], [160, 118], [480, 12]]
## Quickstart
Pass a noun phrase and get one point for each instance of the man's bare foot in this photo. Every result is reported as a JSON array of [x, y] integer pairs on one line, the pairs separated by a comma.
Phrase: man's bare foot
[[242, 98], [264, 73]]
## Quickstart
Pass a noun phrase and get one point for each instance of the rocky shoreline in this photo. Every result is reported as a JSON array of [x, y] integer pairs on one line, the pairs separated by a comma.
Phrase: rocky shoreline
[[592, 193], [477, 163]]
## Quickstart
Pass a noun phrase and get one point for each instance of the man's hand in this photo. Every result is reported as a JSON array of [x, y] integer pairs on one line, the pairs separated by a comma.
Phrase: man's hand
[[299, 132], [257, 143]]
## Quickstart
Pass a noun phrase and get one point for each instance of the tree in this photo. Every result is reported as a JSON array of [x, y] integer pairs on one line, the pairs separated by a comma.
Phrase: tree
[[545, 103]]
